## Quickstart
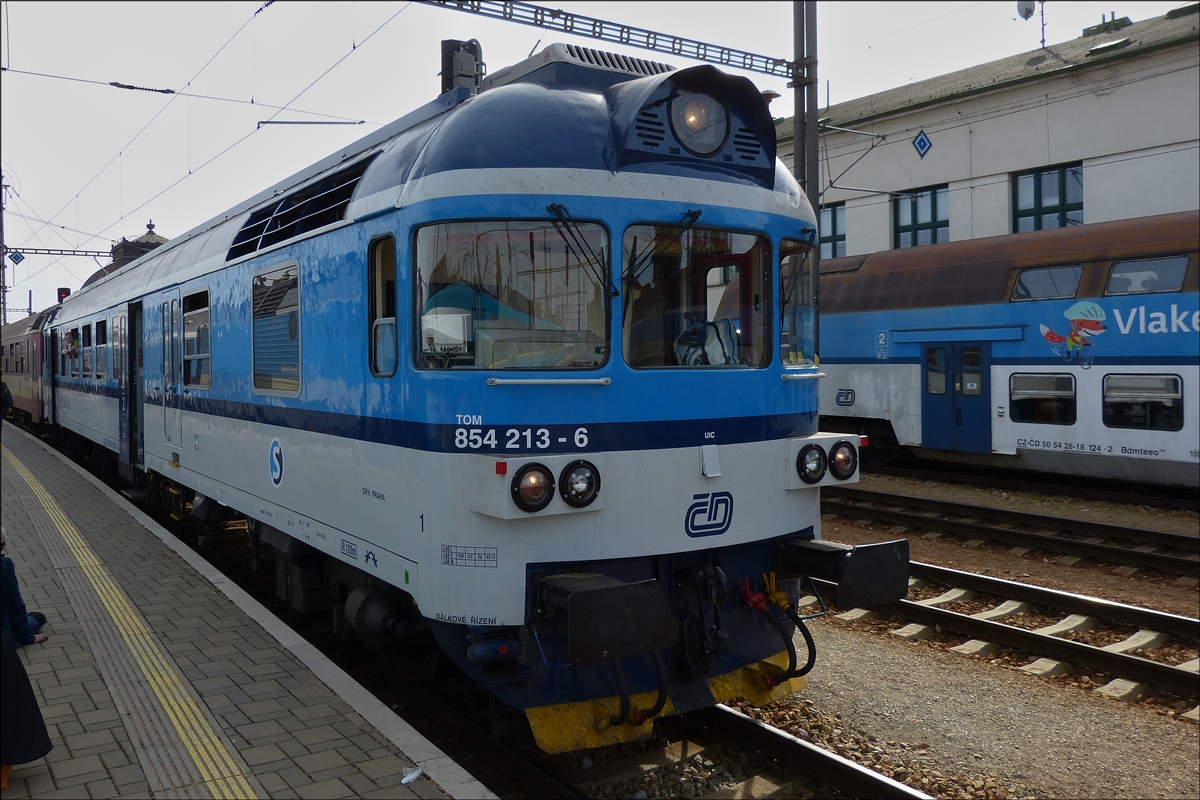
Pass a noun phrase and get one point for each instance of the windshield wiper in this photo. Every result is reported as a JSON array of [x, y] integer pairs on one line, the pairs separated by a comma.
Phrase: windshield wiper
[[638, 265], [579, 243]]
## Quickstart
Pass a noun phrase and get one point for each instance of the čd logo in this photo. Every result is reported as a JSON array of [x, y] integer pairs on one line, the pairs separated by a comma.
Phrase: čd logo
[[709, 515]]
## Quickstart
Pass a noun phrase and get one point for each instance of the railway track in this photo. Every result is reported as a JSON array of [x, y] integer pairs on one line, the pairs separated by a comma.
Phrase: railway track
[[1169, 553], [1010, 608], [1112, 491]]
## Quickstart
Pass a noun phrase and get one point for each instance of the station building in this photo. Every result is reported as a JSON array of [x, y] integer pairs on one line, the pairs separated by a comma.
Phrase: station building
[[1103, 127]]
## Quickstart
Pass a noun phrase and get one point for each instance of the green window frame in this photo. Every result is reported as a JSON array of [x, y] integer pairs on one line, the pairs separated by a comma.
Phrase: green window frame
[[1048, 198], [833, 230], [921, 217]]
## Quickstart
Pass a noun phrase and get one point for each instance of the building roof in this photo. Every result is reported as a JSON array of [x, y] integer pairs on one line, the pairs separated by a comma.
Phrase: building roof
[[1105, 43]]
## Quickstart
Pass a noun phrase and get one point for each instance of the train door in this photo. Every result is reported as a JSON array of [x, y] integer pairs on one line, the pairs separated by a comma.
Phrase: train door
[[956, 396], [51, 375], [132, 343], [172, 323]]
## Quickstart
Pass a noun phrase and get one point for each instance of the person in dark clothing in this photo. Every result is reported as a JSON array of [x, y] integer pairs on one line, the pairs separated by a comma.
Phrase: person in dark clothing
[[23, 736], [8, 401], [22, 627]]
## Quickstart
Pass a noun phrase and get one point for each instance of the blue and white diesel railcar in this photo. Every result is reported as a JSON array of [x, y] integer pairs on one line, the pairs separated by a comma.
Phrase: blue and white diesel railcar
[[1073, 351], [530, 369]]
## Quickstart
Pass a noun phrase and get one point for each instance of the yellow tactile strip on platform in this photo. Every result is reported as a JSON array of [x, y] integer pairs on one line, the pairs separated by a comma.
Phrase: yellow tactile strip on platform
[[182, 754]]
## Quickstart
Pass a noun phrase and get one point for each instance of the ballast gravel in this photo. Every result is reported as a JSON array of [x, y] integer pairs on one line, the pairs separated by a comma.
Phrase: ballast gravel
[[960, 727]]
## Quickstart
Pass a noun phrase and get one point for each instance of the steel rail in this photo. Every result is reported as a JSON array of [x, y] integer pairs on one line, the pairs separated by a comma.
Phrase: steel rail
[[1178, 541], [1156, 673], [1048, 484], [829, 768], [1183, 565], [1170, 624]]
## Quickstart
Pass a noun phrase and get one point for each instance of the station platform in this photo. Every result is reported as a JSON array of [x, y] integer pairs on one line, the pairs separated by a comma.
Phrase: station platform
[[163, 679]]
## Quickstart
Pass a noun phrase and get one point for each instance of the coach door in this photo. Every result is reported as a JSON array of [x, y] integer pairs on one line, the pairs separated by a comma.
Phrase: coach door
[[956, 396], [172, 322]]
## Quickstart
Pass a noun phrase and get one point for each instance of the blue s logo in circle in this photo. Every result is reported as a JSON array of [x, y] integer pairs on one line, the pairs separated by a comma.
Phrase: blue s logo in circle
[[276, 462], [709, 515]]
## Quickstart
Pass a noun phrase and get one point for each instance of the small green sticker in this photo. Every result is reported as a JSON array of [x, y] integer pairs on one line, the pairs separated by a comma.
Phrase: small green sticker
[[405, 577], [197, 441]]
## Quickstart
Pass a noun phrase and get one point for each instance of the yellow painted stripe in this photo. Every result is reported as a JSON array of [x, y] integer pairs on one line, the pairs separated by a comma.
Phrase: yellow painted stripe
[[216, 765]]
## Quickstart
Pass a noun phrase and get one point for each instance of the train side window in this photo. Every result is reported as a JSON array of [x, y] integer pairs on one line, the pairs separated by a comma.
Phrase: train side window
[[797, 336], [101, 348], [1147, 275], [118, 352], [197, 348], [972, 371], [935, 362], [1047, 284], [381, 299], [86, 346], [1144, 402], [1042, 398], [276, 333]]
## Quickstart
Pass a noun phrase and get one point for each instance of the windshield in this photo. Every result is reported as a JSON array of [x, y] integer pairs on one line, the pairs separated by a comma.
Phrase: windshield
[[798, 326], [505, 294], [696, 299]]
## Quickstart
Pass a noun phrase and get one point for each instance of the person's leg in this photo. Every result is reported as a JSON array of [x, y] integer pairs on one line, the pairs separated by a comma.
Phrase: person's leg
[[37, 621]]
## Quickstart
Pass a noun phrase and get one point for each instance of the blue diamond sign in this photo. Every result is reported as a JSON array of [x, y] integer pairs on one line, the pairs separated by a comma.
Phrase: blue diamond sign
[[16, 257], [922, 143]]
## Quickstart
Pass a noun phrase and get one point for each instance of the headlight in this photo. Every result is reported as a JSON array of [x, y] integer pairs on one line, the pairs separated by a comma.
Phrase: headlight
[[532, 487], [699, 122], [579, 484], [810, 464], [843, 460]]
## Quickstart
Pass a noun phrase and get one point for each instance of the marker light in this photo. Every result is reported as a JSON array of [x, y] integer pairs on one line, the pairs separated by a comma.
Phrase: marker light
[[810, 463], [699, 122], [579, 483], [532, 488], [842, 460]]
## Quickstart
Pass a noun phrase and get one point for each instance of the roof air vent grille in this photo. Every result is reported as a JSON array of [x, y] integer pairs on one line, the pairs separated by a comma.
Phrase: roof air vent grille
[[614, 61]]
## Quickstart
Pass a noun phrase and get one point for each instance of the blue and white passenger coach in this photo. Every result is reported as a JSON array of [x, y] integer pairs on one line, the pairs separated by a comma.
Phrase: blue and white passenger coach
[[530, 370]]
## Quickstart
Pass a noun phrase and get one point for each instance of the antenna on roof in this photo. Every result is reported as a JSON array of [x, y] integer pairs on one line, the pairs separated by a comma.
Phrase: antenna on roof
[[1025, 10]]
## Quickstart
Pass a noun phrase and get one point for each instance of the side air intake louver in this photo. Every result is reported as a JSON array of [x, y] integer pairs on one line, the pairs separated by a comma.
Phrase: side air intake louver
[[312, 207], [745, 143], [650, 129]]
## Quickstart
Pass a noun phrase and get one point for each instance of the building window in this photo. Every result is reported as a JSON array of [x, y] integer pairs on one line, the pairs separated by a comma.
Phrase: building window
[[276, 348], [1042, 399], [1143, 402], [833, 231], [1048, 198], [922, 217], [197, 366]]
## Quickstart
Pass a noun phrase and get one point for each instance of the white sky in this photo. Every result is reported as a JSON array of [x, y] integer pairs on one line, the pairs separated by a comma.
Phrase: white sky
[[89, 164]]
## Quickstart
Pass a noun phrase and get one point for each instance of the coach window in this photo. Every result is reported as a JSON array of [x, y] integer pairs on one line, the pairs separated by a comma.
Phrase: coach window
[[1144, 402], [1042, 398], [1047, 284], [507, 294], [86, 347], [381, 299], [922, 217], [695, 299], [1147, 275], [197, 368], [1048, 198], [833, 231], [101, 348], [797, 335], [276, 298], [935, 362]]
